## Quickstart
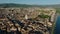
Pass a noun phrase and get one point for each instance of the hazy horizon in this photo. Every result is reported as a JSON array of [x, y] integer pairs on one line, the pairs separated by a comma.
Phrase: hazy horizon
[[32, 2]]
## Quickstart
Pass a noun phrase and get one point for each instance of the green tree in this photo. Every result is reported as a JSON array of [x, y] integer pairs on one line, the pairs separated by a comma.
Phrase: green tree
[[43, 16]]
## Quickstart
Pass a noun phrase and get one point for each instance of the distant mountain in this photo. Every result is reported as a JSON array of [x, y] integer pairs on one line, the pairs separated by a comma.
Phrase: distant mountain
[[6, 5], [53, 6]]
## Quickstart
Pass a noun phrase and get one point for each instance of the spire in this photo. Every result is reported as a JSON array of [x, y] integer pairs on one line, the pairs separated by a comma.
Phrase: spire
[[26, 17]]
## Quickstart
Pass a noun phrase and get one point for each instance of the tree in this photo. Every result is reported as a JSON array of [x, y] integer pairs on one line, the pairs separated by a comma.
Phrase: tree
[[43, 16]]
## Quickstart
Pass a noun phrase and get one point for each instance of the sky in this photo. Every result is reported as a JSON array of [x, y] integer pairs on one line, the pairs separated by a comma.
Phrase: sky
[[35, 2]]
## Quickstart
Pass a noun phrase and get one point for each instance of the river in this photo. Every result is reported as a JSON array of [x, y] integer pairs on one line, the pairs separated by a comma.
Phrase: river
[[57, 28]]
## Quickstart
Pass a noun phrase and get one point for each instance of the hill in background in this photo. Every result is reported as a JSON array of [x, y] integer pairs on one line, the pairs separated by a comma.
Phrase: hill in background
[[7, 5]]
